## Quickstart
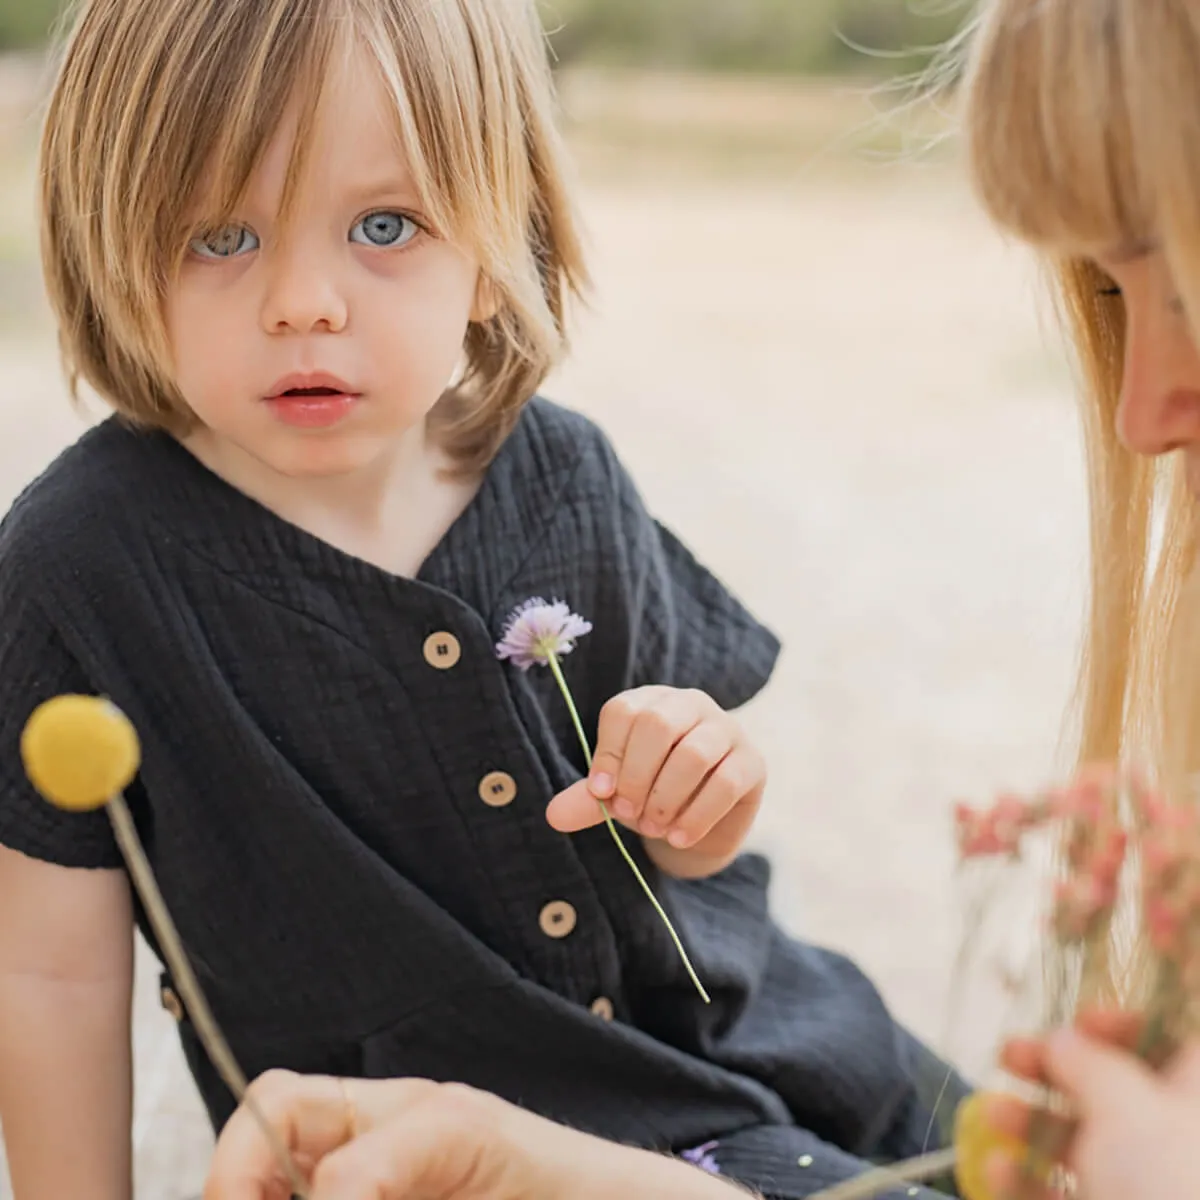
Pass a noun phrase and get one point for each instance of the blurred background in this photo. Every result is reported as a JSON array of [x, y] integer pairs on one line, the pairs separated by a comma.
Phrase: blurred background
[[831, 378]]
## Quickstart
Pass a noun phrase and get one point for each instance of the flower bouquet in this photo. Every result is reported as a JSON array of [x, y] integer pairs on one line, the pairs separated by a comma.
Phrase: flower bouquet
[[1126, 886]]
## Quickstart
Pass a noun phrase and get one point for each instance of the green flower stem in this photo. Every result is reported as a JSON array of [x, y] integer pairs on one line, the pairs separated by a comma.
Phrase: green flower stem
[[560, 679]]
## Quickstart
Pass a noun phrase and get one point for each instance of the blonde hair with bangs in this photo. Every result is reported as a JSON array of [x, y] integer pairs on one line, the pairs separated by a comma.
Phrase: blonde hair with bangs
[[161, 105], [1080, 133]]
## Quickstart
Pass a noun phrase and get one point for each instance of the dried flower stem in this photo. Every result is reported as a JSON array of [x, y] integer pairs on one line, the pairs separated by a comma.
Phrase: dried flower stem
[[190, 992], [560, 679]]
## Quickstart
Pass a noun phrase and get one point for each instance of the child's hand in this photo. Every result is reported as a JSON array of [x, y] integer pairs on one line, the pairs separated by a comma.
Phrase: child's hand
[[674, 766]]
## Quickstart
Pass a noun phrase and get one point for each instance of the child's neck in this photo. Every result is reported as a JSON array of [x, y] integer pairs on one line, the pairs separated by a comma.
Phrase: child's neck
[[392, 512]]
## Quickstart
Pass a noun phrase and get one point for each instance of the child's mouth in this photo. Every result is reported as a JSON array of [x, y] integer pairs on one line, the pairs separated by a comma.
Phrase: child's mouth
[[311, 407]]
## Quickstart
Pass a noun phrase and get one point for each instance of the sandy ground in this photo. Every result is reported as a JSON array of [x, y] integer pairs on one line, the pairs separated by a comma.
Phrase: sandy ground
[[834, 385]]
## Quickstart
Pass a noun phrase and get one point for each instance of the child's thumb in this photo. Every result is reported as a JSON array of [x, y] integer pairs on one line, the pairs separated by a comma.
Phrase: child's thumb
[[575, 809], [1093, 1074]]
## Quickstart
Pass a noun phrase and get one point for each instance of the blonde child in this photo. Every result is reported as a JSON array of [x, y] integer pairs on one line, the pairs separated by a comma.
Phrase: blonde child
[[316, 255], [1081, 129]]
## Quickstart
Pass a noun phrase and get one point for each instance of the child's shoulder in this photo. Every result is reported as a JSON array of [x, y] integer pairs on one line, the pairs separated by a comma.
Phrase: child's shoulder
[[563, 436], [561, 449], [77, 506]]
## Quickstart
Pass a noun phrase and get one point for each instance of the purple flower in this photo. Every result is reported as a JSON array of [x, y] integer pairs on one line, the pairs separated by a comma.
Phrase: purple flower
[[537, 631], [702, 1157]]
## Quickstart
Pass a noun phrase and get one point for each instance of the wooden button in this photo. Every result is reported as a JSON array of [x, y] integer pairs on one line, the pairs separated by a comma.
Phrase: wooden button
[[497, 790], [442, 651], [558, 919], [172, 1003], [602, 1007]]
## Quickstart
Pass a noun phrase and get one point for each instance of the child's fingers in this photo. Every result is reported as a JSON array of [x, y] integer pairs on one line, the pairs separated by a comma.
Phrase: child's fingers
[[612, 737], [728, 798], [687, 773], [653, 736], [574, 809]]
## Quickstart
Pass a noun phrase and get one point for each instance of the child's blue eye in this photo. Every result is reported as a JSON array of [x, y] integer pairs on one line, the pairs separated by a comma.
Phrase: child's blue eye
[[231, 242], [384, 229]]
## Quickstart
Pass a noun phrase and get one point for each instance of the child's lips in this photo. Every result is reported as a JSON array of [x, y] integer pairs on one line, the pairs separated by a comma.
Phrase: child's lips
[[312, 409]]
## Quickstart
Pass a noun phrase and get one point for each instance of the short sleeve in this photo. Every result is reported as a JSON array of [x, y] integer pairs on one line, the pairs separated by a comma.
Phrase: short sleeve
[[34, 666], [685, 628]]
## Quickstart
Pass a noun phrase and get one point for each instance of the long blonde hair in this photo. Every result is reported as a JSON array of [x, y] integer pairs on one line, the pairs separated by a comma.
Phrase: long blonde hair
[[1080, 125], [161, 104]]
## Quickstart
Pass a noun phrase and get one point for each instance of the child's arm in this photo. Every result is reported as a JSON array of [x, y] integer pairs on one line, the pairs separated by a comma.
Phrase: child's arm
[[672, 656], [66, 982]]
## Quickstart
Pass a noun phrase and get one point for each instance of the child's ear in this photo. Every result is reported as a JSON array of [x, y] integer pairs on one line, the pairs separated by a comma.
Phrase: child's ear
[[487, 300]]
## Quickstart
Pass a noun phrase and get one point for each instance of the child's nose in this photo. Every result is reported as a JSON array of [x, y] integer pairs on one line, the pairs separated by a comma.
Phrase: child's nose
[[303, 297]]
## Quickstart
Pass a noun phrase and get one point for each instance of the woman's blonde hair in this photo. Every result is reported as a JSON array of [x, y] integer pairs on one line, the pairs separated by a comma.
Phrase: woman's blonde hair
[[1080, 123], [161, 104]]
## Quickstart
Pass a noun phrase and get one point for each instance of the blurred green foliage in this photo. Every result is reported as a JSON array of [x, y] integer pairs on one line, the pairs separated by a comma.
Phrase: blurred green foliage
[[25, 23], [792, 36]]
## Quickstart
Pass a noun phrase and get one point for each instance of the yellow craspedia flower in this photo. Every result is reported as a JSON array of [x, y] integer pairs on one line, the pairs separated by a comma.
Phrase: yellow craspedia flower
[[975, 1141], [79, 751]]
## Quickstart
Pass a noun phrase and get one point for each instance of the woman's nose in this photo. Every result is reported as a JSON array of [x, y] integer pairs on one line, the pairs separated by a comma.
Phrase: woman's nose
[[1159, 409]]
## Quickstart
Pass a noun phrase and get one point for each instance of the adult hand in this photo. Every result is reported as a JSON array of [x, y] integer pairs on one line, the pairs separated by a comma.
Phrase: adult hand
[[415, 1140], [1135, 1131]]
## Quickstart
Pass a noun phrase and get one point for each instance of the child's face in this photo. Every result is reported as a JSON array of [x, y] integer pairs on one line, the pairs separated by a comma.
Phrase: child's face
[[314, 349], [1160, 394]]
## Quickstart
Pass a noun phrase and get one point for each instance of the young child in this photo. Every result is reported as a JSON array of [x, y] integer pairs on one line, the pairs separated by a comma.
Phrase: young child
[[316, 256]]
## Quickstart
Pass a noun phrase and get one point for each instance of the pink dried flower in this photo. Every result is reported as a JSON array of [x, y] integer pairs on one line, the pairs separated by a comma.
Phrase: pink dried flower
[[1154, 808], [1079, 903], [1110, 857], [1189, 894], [979, 835], [538, 631], [1175, 818], [1189, 975], [1078, 802], [1163, 924], [1159, 859], [1011, 817]]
